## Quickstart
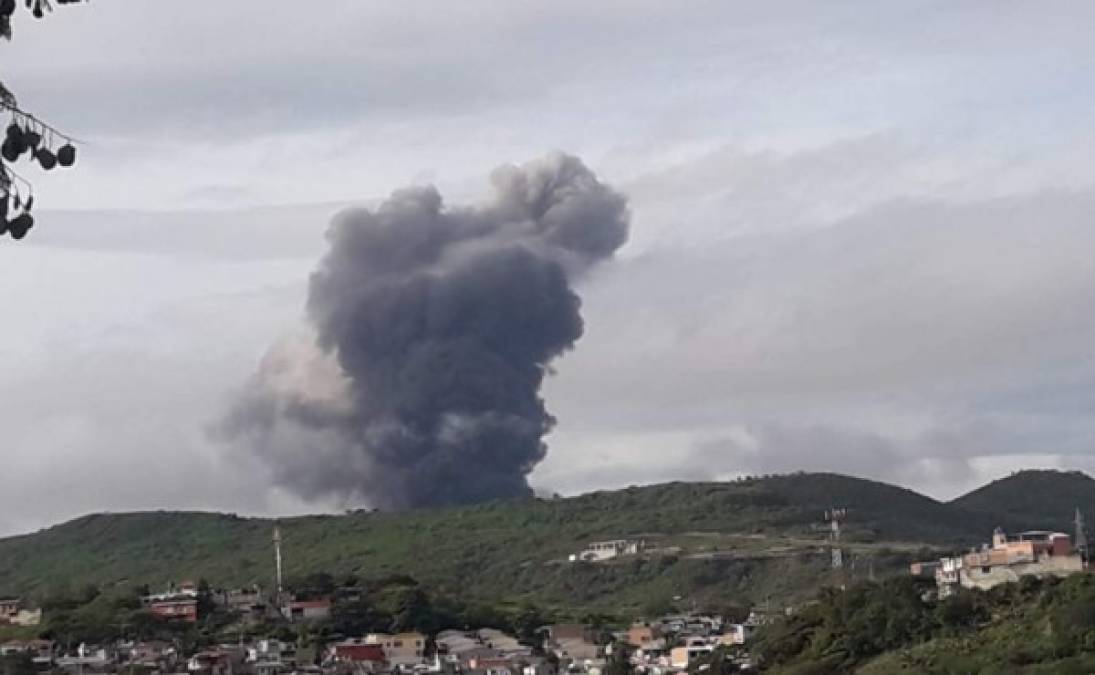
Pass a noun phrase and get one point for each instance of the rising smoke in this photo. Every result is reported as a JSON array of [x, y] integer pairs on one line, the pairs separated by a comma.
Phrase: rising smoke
[[432, 330]]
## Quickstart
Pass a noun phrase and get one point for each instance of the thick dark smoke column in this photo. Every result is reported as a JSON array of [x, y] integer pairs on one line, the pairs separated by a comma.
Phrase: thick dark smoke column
[[435, 327]]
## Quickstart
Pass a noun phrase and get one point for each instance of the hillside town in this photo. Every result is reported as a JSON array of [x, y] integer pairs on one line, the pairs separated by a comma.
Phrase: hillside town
[[277, 631], [667, 644]]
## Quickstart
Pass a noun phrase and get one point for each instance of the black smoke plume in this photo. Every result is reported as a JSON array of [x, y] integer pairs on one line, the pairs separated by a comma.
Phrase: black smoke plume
[[433, 329]]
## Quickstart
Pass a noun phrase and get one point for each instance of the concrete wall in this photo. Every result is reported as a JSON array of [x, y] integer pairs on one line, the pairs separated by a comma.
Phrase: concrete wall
[[977, 577]]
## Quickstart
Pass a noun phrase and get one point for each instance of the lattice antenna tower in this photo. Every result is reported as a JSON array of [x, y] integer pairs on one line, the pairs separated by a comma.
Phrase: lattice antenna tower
[[834, 517]]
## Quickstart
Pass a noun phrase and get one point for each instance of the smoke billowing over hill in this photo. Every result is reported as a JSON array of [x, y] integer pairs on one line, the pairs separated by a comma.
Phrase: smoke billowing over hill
[[432, 330]]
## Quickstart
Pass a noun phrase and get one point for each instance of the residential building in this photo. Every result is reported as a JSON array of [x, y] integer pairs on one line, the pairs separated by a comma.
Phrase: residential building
[[271, 651], [495, 666], [680, 657], [454, 643], [14, 613], [571, 631], [1036, 553], [357, 652], [212, 662], [470, 658], [81, 665], [948, 573], [640, 634], [244, 600], [307, 610], [1009, 558], [186, 589], [537, 665], [925, 569], [180, 609], [735, 634], [576, 649], [176, 603], [502, 641], [652, 656], [402, 649], [152, 653], [573, 642], [40, 650]]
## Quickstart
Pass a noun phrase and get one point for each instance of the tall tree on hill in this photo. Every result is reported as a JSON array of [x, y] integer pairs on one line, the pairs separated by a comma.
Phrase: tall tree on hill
[[25, 135]]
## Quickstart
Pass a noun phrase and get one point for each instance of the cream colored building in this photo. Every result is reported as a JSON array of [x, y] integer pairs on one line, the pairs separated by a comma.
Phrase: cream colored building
[[680, 657], [12, 612], [400, 649]]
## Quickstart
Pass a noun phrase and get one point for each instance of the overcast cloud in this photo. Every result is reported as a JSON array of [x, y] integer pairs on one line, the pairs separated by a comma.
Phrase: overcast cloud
[[861, 234]]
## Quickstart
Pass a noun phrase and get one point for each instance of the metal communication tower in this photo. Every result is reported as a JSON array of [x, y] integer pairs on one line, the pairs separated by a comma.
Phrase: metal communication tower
[[834, 517]]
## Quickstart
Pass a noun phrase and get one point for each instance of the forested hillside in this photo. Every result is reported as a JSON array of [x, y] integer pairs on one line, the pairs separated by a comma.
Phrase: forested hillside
[[900, 626], [1042, 499], [746, 540]]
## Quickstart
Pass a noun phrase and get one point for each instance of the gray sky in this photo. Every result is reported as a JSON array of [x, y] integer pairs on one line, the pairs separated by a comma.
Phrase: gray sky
[[861, 236]]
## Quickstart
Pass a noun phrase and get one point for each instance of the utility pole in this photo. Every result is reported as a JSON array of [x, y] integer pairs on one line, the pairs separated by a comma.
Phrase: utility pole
[[1081, 536], [277, 563]]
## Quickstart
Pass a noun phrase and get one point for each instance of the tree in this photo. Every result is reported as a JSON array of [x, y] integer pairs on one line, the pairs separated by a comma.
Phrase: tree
[[26, 135], [313, 586], [960, 611], [619, 660], [17, 664], [526, 626], [206, 602]]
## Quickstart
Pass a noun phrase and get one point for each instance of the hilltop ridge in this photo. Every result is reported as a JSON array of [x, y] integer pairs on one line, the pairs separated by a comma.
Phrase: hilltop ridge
[[743, 538], [1033, 499]]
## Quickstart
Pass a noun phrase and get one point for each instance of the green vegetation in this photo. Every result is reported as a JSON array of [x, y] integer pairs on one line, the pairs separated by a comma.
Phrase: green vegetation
[[17, 664], [739, 542], [1041, 500], [714, 546], [732, 542], [898, 626], [393, 604]]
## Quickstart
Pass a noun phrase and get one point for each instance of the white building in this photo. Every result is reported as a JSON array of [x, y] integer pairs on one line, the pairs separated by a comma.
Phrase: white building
[[606, 550]]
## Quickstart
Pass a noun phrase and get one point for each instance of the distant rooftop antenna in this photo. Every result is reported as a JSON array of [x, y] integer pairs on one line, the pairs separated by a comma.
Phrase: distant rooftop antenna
[[1081, 535], [277, 558], [834, 518]]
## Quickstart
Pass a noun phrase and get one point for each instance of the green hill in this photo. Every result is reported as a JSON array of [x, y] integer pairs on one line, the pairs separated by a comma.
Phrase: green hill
[[742, 540], [1033, 499], [900, 626]]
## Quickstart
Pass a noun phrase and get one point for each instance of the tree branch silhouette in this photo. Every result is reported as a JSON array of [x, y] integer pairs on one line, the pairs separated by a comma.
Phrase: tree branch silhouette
[[26, 135]]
